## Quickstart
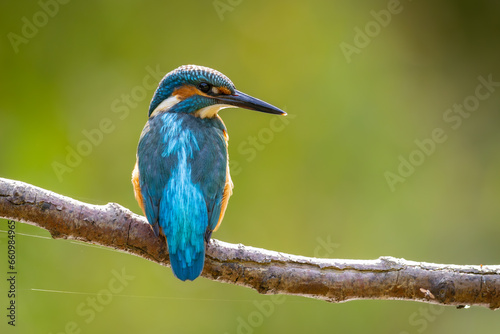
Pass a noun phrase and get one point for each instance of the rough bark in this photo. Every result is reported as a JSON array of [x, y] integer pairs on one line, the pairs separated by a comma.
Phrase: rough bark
[[268, 272]]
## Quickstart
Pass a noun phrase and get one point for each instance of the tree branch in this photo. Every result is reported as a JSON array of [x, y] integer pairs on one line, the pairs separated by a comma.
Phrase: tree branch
[[268, 272]]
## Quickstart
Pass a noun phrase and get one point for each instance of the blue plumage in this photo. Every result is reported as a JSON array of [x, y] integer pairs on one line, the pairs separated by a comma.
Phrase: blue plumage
[[181, 179]]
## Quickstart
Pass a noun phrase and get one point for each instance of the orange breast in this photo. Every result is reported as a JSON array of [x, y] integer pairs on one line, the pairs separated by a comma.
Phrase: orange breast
[[137, 187]]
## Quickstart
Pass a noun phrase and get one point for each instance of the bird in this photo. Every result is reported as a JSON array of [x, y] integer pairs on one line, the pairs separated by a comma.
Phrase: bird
[[181, 178]]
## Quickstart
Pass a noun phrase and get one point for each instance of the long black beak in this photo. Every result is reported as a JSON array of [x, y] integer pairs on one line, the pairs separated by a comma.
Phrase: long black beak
[[242, 100]]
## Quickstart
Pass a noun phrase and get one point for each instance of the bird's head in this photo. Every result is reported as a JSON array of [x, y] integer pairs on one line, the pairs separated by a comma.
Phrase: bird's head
[[202, 91]]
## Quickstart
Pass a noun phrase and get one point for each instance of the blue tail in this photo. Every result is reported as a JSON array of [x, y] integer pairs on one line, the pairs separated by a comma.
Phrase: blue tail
[[186, 266]]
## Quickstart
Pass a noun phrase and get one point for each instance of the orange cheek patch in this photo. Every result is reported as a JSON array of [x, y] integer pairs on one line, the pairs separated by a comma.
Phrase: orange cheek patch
[[187, 91], [224, 90], [184, 92]]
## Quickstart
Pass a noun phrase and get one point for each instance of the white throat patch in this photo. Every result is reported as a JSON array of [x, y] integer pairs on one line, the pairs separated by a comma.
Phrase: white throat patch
[[165, 105], [212, 110]]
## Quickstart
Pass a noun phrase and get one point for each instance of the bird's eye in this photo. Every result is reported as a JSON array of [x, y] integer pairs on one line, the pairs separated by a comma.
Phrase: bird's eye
[[204, 87]]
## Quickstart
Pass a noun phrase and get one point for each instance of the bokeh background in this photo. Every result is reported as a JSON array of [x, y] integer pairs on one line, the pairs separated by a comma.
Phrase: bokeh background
[[312, 184]]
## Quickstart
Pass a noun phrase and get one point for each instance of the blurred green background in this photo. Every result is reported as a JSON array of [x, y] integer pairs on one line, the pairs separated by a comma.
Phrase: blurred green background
[[314, 185]]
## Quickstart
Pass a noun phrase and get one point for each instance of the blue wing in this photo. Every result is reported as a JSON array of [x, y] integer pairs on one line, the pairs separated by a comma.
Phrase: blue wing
[[182, 173], [209, 170]]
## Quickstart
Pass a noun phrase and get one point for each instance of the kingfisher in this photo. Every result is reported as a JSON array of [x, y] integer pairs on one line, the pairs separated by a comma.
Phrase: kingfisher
[[181, 177]]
